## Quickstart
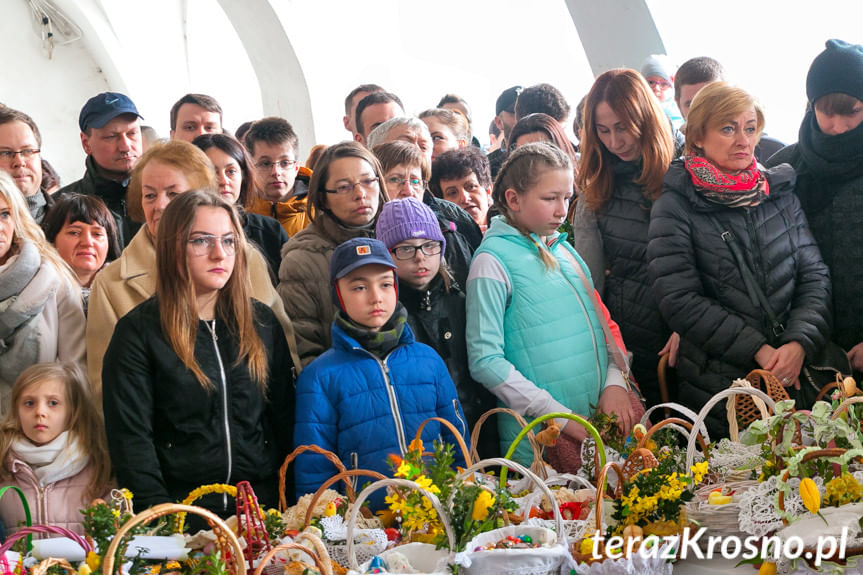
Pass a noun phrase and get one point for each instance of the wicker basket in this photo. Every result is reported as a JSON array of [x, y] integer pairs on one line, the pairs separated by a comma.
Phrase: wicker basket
[[229, 545], [702, 414], [331, 457], [537, 466], [404, 483], [639, 459], [600, 447], [318, 553], [857, 547], [465, 452], [337, 550]]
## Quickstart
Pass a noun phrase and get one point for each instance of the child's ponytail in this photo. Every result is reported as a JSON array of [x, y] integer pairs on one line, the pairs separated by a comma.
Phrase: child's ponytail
[[522, 170]]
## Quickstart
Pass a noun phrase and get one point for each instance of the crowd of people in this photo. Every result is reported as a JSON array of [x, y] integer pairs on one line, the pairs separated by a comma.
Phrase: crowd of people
[[192, 309]]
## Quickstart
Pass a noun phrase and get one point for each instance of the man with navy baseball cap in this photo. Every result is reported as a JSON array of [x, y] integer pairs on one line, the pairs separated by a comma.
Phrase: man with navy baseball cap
[[111, 137]]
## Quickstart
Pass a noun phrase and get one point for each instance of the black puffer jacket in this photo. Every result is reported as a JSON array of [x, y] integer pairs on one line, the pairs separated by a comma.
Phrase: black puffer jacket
[[437, 319], [830, 189], [618, 233], [167, 434], [701, 292], [111, 192]]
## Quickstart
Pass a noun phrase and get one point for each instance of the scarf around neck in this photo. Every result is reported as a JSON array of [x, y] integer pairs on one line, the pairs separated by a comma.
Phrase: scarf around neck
[[25, 287], [380, 343], [58, 459], [37, 204], [828, 157], [747, 188]]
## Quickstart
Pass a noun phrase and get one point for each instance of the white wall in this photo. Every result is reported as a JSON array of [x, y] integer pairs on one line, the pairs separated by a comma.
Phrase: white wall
[[766, 46], [51, 91]]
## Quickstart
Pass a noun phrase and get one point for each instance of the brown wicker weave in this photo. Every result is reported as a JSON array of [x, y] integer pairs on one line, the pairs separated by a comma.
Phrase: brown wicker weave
[[229, 545], [319, 556], [456, 433], [747, 412], [343, 476], [537, 466], [331, 457]]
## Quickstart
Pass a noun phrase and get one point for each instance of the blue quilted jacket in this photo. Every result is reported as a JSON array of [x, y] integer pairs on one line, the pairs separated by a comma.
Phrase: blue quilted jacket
[[363, 408]]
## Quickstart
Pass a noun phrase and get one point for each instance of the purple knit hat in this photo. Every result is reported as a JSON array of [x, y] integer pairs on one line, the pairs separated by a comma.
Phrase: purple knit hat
[[408, 219]]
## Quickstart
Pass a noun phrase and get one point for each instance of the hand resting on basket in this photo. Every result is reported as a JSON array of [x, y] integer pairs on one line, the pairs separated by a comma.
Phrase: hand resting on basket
[[615, 399]]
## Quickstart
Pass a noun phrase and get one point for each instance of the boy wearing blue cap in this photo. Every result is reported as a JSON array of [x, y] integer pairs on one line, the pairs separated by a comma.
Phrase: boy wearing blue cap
[[366, 396]]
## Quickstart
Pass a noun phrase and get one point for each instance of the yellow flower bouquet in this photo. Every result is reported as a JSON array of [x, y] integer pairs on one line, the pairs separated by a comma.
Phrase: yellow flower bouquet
[[474, 509]]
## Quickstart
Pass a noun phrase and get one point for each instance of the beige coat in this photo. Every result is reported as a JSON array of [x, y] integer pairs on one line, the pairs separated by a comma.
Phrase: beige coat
[[304, 282], [131, 279]]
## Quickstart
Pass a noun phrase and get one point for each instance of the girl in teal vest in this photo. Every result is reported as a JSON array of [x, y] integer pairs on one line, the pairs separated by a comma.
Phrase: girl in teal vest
[[534, 337]]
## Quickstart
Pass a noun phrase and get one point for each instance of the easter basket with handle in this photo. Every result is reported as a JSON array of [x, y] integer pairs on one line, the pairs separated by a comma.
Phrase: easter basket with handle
[[488, 553], [721, 517], [229, 546], [572, 526], [277, 556], [799, 500], [590, 553], [370, 535], [537, 465], [423, 558]]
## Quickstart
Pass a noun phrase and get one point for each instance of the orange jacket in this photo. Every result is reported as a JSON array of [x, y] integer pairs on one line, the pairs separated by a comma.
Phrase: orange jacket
[[291, 213]]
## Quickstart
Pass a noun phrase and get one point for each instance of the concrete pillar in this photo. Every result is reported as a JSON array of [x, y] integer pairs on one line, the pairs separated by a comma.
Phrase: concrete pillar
[[284, 90], [615, 33]]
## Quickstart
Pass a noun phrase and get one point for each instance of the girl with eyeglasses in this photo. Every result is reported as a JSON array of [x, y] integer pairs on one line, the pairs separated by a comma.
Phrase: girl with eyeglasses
[[201, 372], [345, 198], [165, 172], [434, 301]]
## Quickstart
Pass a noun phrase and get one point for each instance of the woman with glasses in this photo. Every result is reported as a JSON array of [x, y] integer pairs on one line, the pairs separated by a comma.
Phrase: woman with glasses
[[164, 172], [345, 198], [406, 170], [41, 314], [238, 186], [626, 148], [434, 301], [201, 372]]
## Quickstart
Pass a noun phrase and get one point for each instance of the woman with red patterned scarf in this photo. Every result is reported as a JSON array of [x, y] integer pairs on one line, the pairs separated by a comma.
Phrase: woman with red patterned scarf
[[734, 266]]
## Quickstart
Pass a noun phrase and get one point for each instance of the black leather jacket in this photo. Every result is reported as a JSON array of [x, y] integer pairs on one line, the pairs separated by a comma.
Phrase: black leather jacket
[[168, 434]]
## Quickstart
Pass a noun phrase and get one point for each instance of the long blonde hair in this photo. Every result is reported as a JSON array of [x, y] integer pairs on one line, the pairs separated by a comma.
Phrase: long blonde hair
[[522, 170], [26, 228], [178, 308], [84, 422], [627, 93]]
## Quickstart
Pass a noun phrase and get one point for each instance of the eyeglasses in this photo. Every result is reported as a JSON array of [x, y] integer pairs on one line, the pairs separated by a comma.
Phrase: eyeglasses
[[342, 189], [267, 165], [205, 244], [412, 182], [9, 155], [410, 252]]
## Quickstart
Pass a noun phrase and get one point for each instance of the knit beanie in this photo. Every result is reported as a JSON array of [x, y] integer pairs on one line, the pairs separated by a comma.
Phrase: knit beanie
[[658, 65], [408, 219], [838, 69]]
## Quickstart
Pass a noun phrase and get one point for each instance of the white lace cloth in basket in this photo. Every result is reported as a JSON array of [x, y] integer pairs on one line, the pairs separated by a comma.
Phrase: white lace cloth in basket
[[367, 542], [758, 514], [636, 564], [730, 456]]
